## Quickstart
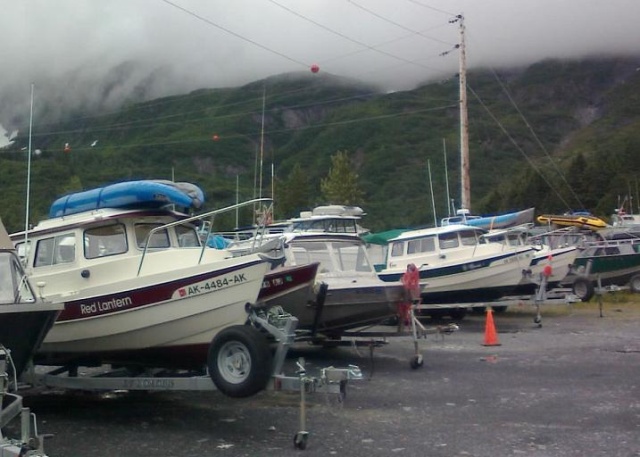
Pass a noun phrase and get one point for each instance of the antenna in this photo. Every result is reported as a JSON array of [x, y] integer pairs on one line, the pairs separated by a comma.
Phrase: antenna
[[446, 175], [26, 218], [433, 202], [237, 197], [264, 92]]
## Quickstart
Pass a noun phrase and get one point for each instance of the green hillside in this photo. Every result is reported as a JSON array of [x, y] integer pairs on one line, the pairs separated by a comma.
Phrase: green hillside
[[558, 135]]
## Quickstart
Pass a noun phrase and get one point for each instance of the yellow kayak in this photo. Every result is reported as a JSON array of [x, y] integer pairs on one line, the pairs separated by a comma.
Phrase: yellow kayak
[[572, 220]]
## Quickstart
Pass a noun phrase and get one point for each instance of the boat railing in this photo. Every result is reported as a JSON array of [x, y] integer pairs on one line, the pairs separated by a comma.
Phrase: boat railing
[[200, 217]]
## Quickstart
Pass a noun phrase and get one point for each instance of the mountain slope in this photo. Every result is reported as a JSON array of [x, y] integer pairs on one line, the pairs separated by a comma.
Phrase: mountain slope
[[557, 135]]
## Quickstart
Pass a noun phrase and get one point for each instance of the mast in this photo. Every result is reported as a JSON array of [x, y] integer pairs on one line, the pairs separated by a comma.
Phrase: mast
[[465, 195], [26, 217]]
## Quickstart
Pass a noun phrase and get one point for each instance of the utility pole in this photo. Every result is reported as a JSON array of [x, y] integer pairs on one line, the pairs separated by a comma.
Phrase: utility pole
[[465, 196]]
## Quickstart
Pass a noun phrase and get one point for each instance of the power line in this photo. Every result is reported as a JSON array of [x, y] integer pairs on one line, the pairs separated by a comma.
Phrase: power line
[[231, 32], [526, 122], [342, 35], [513, 141], [386, 19], [285, 130], [432, 8]]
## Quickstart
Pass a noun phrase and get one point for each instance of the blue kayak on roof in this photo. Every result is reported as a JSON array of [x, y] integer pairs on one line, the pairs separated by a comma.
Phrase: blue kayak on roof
[[130, 194]]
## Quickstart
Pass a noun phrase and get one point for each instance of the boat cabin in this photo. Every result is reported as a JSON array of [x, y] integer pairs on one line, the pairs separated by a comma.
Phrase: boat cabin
[[428, 245]]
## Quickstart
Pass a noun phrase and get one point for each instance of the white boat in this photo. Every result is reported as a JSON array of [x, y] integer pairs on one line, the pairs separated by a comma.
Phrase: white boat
[[355, 296], [456, 264], [552, 262], [139, 289]]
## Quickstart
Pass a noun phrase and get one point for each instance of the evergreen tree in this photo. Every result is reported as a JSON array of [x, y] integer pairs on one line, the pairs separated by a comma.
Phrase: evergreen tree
[[341, 184], [293, 193]]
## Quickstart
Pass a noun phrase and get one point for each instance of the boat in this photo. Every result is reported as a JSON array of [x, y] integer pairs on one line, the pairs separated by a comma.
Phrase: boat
[[606, 263], [552, 262], [289, 286], [354, 295], [456, 264], [575, 219], [498, 221], [139, 288], [25, 319]]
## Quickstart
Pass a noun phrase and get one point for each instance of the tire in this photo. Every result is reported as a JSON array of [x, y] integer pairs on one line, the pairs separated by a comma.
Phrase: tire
[[583, 289], [240, 361], [457, 314], [499, 309], [634, 284]]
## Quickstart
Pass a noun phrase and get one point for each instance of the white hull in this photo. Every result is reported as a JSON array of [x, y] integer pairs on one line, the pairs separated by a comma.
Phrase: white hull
[[499, 274], [173, 320], [560, 261]]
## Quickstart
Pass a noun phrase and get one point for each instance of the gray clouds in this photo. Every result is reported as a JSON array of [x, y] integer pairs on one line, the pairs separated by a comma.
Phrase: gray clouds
[[157, 48]]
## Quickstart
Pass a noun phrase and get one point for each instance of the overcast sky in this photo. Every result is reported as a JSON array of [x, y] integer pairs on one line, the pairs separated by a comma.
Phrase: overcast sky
[[211, 43]]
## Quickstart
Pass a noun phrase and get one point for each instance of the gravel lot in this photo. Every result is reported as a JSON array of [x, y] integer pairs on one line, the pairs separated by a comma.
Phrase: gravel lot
[[568, 388]]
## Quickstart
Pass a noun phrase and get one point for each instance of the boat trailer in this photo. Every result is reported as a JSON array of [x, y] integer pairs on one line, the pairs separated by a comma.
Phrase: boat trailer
[[30, 442], [279, 325]]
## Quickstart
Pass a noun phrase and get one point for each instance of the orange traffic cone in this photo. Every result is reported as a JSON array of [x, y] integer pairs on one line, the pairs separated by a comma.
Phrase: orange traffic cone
[[490, 334]]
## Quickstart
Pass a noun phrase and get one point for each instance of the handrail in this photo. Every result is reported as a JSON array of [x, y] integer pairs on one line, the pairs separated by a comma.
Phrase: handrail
[[196, 218]]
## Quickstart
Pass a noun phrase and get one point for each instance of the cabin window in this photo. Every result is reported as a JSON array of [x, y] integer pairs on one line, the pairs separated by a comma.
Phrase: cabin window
[[308, 252], [421, 245], [351, 257], [105, 241], [159, 238], [14, 287], [187, 236], [23, 249], [448, 240], [468, 238], [397, 249], [55, 250]]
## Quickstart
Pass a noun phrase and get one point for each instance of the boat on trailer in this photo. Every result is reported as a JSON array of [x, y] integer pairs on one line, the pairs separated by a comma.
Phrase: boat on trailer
[[456, 265], [554, 263], [140, 290], [348, 294]]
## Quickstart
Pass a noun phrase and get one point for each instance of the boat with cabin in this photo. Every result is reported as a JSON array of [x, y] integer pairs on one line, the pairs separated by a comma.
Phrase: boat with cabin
[[456, 264], [329, 236], [140, 290], [554, 263]]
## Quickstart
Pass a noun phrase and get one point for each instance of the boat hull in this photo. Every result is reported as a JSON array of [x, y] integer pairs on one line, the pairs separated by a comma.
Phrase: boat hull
[[609, 269], [291, 287], [472, 280], [561, 262], [348, 306], [168, 323], [23, 327]]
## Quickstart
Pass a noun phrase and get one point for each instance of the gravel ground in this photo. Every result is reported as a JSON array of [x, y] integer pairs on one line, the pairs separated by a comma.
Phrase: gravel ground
[[568, 388]]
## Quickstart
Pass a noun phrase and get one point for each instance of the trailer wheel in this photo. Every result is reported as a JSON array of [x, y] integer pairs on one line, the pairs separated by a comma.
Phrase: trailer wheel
[[300, 440], [634, 284], [239, 361], [416, 362], [583, 289], [458, 314]]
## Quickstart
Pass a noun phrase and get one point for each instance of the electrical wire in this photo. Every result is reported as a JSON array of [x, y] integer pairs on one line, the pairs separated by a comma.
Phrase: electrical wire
[[533, 133]]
